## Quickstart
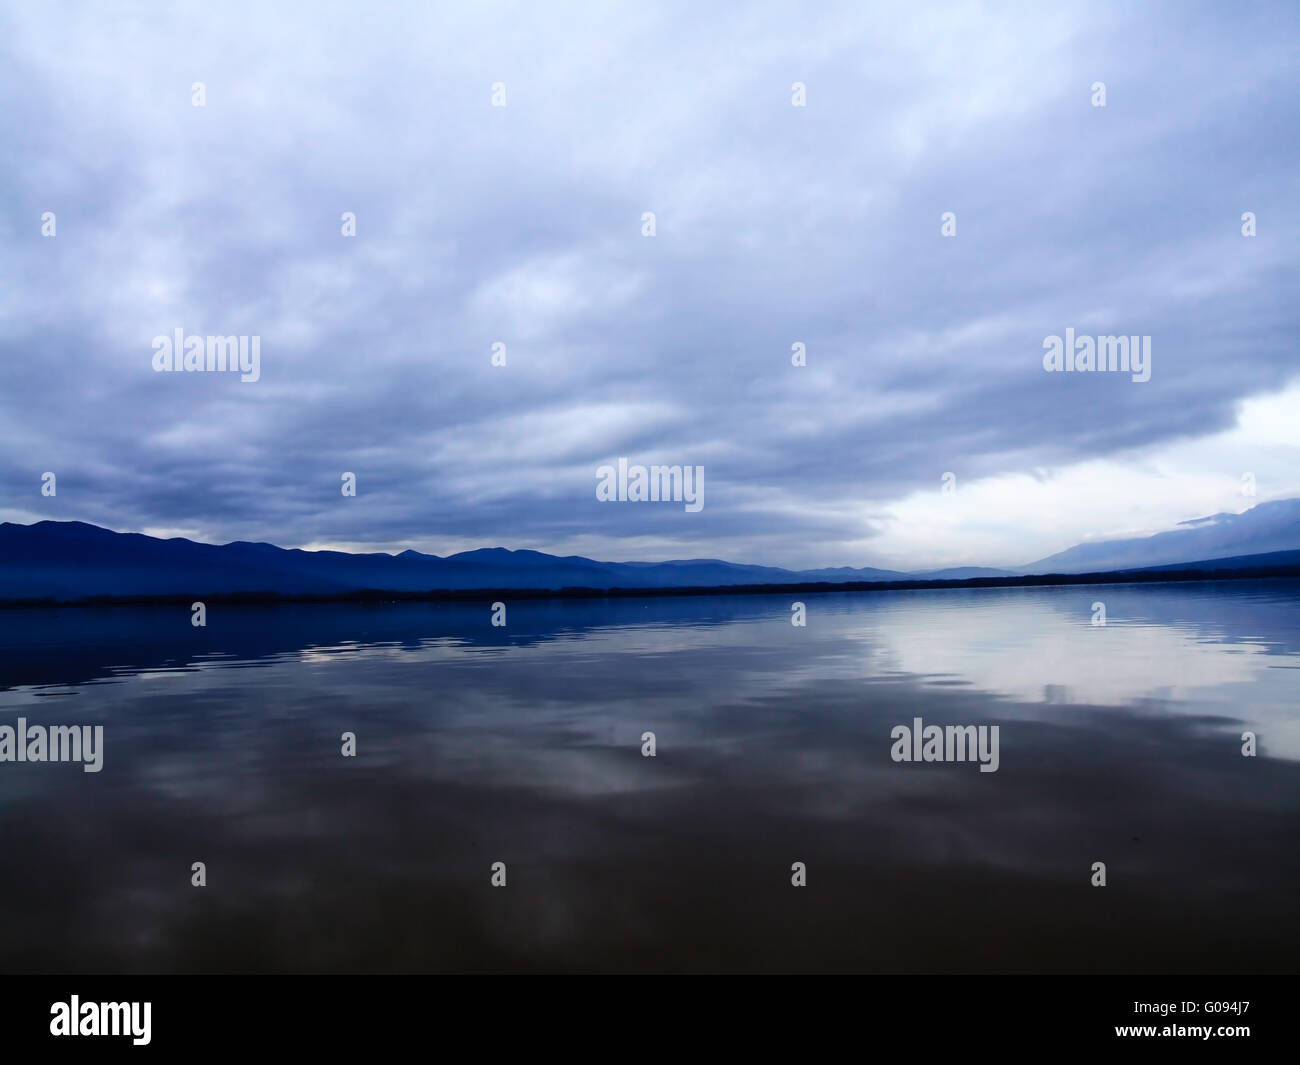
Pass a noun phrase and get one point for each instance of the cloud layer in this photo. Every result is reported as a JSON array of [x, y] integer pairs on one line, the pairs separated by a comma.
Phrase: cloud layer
[[774, 225]]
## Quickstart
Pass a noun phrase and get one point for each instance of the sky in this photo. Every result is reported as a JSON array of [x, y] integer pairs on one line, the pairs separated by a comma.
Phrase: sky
[[798, 161]]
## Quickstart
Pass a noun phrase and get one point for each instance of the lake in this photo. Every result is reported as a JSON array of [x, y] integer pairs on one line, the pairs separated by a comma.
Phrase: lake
[[1119, 744]]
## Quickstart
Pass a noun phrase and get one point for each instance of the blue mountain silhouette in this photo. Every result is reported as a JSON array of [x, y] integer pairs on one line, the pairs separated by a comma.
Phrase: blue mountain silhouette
[[1265, 528], [69, 561]]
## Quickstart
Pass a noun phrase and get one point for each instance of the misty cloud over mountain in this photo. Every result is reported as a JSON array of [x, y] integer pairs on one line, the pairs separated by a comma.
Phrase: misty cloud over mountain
[[1268, 527]]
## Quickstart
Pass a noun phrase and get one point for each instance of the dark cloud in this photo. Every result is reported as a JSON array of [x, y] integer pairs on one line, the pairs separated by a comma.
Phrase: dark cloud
[[522, 225]]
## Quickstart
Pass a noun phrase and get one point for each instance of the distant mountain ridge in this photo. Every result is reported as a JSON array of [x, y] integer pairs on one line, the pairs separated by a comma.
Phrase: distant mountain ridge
[[74, 560], [1264, 528], [71, 561]]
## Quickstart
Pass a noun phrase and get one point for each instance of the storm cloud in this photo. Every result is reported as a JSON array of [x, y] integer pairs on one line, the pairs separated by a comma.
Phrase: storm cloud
[[522, 225]]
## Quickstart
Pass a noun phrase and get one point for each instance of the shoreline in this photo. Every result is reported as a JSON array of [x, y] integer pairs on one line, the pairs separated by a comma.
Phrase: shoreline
[[441, 595]]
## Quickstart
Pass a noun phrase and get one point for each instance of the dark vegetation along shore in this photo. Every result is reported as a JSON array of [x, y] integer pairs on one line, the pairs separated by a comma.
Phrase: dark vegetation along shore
[[1199, 572]]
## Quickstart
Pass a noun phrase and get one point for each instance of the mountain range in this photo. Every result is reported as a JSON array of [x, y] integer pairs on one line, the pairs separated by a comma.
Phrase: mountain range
[[1264, 528], [70, 561]]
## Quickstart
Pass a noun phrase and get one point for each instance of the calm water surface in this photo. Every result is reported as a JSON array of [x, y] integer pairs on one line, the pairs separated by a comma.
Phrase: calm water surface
[[522, 745]]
